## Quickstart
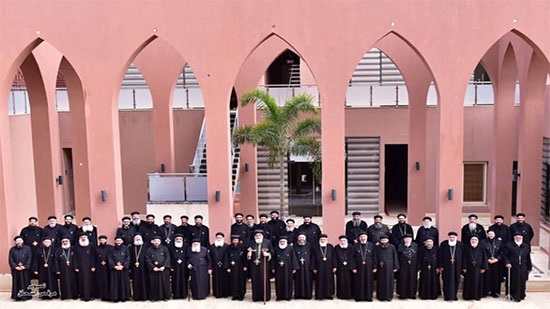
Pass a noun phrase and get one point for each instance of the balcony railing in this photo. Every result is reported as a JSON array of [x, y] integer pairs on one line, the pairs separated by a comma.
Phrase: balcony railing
[[177, 188]]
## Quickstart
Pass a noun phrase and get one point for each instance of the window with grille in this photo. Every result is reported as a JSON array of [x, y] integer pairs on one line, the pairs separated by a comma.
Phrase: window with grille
[[475, 180]]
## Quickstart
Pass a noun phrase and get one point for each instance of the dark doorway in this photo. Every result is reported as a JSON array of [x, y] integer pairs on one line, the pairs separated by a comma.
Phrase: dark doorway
[[68, 181], [304, 196], [284, 70], [233, 101], [396, 175], [515, 175]]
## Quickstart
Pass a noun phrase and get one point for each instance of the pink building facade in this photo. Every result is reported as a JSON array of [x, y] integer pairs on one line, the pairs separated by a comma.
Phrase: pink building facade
[[230, 45]]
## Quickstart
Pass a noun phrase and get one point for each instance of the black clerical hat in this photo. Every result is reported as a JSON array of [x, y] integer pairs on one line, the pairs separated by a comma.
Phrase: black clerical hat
[[196, 240], [283, 238], [499, 217], [198, 217], [355, 213], [82, 234], [274, 212], [258, 232], [323, 236], [69, 217], [238, 214], [472, 216], [427, 218], [178, 235], [16, 237], [342, 237], [150, 216], [263, 216], [452, 234], [378, 217], [134, 213], [518, 233], [156, 237], [86, 218], [407, 236], [384, 236], [52, 217], [220, 234], [44, 238], [429, 238], [126, 218], [33, 218], [520, 214], [290, 220], [362, 233], [167, 216], [118, 237], [235, 237], [102, 237]]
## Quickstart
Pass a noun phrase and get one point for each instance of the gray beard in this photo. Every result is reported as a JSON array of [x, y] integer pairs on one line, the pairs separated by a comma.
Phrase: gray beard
[[472, 226], [356, 223], [196, 249], [378, 226], [65, 246]]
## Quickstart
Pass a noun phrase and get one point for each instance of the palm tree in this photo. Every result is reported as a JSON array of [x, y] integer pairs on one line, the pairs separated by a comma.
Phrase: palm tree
[[282, 132]]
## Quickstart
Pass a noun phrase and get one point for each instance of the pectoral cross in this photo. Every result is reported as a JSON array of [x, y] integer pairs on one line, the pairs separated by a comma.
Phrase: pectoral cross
[[257, 262], [430, 267], [302, 260], [452, 260], [137, 264], [282, 263]]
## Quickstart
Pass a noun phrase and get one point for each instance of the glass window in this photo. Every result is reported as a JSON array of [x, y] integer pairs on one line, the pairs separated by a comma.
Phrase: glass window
[[475, 179]]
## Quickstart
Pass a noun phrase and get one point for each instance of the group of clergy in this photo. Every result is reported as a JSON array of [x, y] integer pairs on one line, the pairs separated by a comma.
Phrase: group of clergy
[[150, 262]]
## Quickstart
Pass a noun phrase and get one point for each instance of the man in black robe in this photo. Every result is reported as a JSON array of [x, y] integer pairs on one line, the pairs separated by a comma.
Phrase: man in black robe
[[365, 262], [240, 228], [90, 230], [20, 258], [345, 264], [178, 270], [259, 255], [43, 267], [167, 230], [517, 258], [388, 265], [276, 226], [235, 263], [149, 229], [220, 277], [200, 266], [324, 267], [303, 279], [450, 265], [399, 230], [377, 230], [102, 268], [311, 230], [262, 225], [251, 224], [201, 232], [53, 231], [158, 262], [427, 231], [64, 267], [119, 262], [407, 276], [493, 276], [137, 223], [85, 267], [428, 287], [185, 229], [69, 229], [502, 231], [290, 231], [473, 266], [355, 226], [520, 226], [32, 235], [284, 266], [138, 269], [126, 231], [472, 228]]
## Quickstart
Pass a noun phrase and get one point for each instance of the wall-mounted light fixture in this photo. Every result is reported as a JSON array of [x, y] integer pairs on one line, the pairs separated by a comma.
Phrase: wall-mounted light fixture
[[450, 194], [59, 180], [333, 194], [104, 195], [417, 165], [246, 167], [217, 196], [163, 168], [515, 175]]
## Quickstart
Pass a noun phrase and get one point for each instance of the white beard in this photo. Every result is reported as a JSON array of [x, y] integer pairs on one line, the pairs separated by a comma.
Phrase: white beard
[[84, 243], [178, 244], [136, 222], [259, 241], [196, 248], [52, 225], [66, 246], [344, 246], [250, 224], [429, 247], [518, 243], [283, 246], [138, 242], [323, 244], [452, 243], [472, 226], [408, 244], [218, 243], [290, 229], [427, 225], [87, 228], [473, 246]]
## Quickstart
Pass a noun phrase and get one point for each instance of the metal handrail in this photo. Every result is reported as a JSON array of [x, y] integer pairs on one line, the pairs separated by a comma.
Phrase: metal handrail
[[201, 145]]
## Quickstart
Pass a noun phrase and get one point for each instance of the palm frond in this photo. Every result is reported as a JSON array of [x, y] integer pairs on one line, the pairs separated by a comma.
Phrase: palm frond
[[264, 102], [302, 103], [306, 127]]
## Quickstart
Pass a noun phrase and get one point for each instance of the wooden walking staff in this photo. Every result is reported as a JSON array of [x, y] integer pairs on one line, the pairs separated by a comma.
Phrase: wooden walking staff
[[266, 280]]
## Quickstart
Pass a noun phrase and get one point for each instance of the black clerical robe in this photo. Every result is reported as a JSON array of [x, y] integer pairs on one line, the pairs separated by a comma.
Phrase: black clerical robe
[[398, 231], [179, 271], [201, 232], [502, 232], [259, 266], [127, 234], [65, 265], [492, 278], [303, 278], [92, 235], [102, 272], [291, 235], [242, 230], [353, 230], [427, 265], [55, 233], [375, 231], [345, 263], [43, 264], [119, 279], [519, 257], [158, 265], [85, 267], [283, 266], [70, 231], [21, 279], [32, 237], [387, 265], [407, 276], [525, 229], [474, 262], [365, 262], [200, 263], [167, 233], [423, 233], [323, 263], [220, 277], [466, 233], [277, 228], [148, 231], [235, 262], [312, 232], [185, 230], [450, 264], [138, 272]]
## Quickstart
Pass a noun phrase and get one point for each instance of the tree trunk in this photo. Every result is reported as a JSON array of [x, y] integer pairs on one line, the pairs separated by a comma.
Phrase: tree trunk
[[282, 209]]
